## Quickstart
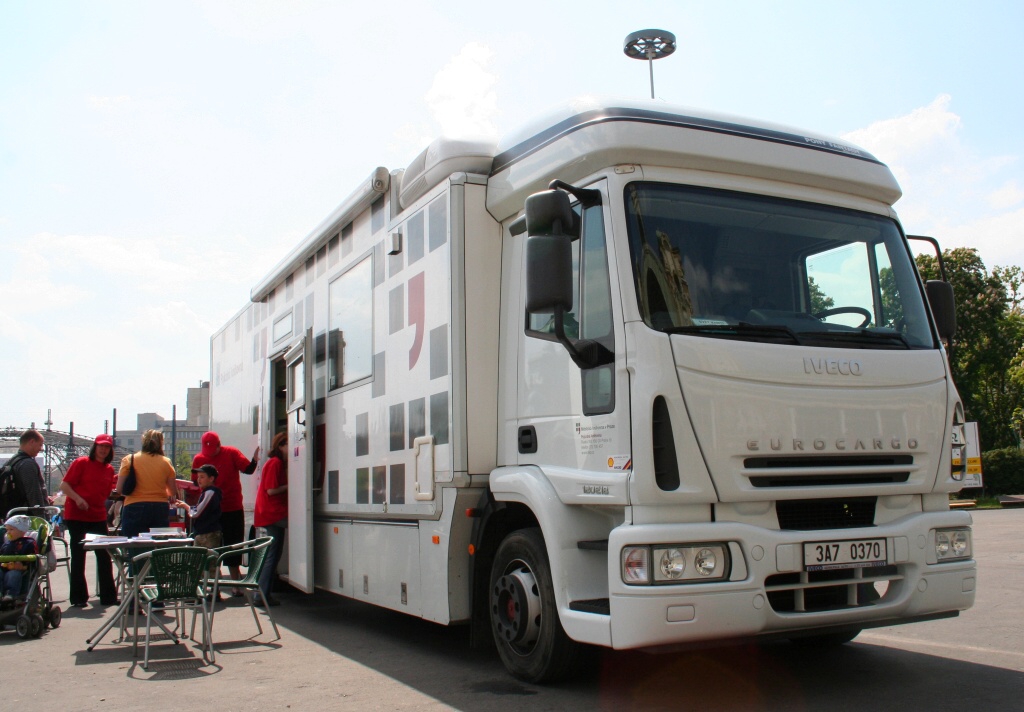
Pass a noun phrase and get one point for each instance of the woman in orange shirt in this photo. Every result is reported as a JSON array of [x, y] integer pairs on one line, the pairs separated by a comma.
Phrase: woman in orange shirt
[[148, 505]]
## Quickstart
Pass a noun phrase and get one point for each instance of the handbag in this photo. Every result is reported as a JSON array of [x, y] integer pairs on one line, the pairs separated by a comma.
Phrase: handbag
[[128, 486]]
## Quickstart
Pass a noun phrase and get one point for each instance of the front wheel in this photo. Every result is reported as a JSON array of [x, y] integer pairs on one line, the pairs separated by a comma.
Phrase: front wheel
[[524, 618]]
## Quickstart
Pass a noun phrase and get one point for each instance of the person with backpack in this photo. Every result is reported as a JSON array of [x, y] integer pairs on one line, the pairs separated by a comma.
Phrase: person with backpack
[[21, 480], [87, 486]]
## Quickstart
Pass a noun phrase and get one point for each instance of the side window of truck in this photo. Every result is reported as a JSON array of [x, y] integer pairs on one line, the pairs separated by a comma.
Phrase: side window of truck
[[591, 314], [350, 339]]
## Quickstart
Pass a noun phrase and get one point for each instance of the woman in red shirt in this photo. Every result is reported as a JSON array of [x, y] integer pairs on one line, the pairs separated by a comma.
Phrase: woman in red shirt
[[87, 485], [271, 510]]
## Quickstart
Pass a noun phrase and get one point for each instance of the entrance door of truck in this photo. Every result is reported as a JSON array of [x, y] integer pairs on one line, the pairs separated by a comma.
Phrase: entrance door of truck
[[298, 381], [571, 417]]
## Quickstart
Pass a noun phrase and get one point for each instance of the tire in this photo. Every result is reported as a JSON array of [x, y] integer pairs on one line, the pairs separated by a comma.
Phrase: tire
[[826, 640], [55, 617], [23, 627], [524, 618], [37, 626]]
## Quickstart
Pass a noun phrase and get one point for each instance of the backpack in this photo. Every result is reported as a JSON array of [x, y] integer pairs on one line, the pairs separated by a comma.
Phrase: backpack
[[11, 495]]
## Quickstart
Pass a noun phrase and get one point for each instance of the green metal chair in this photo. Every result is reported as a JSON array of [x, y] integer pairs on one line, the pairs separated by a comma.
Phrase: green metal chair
[[256, 552], [178, 581]]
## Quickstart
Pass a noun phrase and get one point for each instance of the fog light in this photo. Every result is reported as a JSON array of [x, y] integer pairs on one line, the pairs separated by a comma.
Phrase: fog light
[[672, 564], [634, 564], [952, 544], [706, 562]]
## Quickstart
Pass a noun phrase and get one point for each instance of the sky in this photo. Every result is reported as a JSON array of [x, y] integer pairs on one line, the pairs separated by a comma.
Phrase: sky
[[158, 158]]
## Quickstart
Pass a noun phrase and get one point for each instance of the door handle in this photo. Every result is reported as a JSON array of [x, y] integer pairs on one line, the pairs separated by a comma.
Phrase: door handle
[[527, 439]]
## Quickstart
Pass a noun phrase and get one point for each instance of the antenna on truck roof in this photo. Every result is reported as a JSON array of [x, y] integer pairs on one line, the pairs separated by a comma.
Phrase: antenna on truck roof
[[649, 45]]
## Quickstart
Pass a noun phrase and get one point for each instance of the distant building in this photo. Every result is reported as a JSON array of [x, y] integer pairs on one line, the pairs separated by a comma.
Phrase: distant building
[[187, 433]]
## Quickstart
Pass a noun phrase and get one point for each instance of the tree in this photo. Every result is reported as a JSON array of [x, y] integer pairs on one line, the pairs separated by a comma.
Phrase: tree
[[987, 359], [819, 300], [183, 461]]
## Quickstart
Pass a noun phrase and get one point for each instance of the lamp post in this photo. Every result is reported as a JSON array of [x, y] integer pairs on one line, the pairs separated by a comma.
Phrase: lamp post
[[649, 45]]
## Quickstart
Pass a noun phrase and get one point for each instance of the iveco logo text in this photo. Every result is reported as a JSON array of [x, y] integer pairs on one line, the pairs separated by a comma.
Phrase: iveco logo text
[[596, 489], [833, 366], [800, 445]]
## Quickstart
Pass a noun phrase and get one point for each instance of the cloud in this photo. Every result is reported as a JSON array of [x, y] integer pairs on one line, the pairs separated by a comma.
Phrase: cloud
[[462, 98], [108, 102], [950, 190], [99, 321]]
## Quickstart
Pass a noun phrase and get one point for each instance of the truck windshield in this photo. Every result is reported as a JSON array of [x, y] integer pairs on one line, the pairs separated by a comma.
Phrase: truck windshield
[[732, 265]]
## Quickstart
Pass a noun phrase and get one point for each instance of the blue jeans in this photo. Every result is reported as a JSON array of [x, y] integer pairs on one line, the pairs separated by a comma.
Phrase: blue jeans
[[12, 580], [140, 517], [277, 532]]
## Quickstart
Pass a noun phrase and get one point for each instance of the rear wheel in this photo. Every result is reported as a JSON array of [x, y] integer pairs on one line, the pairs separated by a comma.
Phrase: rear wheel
[[37, 625], [524, 619], [55, 617]]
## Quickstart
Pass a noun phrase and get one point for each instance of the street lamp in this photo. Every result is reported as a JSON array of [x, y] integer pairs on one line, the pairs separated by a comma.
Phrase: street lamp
[[649, 45]]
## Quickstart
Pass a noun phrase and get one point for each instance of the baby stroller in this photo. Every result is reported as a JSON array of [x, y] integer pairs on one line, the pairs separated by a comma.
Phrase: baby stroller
[[34, 609]]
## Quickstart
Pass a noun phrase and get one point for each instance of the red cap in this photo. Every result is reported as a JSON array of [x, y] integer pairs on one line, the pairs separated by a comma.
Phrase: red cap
[[104, 439], [211, 443]]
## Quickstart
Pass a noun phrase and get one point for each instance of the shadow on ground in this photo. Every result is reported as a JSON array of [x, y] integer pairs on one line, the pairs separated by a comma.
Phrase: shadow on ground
[[439, 661]]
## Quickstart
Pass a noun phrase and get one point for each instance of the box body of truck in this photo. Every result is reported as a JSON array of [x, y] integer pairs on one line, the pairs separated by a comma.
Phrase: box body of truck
[[736, 422]]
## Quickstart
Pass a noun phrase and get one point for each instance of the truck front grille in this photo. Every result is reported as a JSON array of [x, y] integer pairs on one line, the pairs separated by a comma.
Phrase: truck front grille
[[828, 470], [816, 591]]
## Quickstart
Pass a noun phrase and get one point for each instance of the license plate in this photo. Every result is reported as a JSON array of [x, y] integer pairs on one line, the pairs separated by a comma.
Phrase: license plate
[[852, 554]]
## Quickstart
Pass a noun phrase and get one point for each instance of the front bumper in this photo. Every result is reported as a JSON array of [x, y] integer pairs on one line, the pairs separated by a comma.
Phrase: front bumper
[[750, 604]]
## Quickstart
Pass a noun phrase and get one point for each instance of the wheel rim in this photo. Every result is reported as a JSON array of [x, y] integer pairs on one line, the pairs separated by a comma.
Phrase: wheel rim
[[23, 626], [516, 607]]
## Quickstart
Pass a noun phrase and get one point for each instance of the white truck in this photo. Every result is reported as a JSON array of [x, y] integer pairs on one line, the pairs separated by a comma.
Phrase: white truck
[[636, 376]]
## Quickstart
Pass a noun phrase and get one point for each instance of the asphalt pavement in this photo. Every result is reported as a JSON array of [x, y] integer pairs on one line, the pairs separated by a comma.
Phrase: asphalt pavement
[[339, 654]]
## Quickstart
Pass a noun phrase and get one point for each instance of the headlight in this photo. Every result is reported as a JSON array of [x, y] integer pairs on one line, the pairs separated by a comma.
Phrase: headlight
[[952, 544], [674, 563]]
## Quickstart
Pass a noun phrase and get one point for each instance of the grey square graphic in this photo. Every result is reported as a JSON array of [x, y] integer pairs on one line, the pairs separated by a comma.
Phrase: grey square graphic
[[397, 421], [417, 419], [333, 491], [379, 362], [397, 489], [363, 485], [362, 434], [439, 352], [438, 223], [439, 418], [414, 232], [396, 309]]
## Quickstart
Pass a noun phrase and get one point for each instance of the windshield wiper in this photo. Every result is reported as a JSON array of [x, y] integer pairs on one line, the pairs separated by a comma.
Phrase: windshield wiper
[[892, 339], [742, 330]]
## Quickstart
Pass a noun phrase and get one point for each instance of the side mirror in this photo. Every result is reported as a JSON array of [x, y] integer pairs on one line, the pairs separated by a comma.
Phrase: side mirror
[[548, 274], [549, 222], [943, 304]]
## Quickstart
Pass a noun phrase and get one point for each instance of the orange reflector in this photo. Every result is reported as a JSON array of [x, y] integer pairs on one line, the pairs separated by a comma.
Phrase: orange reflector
[[472, 512], [472, 549], [335, 530], [436, 539]]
